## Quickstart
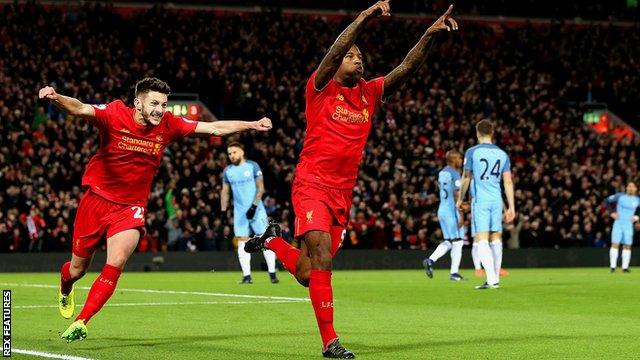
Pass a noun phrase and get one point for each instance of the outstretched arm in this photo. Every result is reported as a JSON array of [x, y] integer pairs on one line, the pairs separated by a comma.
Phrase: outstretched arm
[[332, 60], [417, 56], [71, 106], [226, 127]]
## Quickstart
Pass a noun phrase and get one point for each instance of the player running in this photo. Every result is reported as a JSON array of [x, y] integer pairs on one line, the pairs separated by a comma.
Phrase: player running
[[487, 164], [118, 180], [451, 220], [622, 231], [244, 178], [340, 105]]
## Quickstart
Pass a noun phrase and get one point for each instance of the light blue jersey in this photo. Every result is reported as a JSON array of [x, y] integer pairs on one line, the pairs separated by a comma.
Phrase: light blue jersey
[[242, 180], [487, 163], [449, 183], [626, 206]]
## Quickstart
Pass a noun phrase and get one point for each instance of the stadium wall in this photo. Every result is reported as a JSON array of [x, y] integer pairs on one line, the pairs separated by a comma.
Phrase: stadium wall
[[346, 259], [127, 8]]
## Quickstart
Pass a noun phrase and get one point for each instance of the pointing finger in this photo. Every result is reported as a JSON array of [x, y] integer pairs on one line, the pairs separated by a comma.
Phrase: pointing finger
[[449, 10]]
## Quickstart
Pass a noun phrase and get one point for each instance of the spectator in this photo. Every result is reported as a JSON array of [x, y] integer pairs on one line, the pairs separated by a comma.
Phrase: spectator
[[246, 65]]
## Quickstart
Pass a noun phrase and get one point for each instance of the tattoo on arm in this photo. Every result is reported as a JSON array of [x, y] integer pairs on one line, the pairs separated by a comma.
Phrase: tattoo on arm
[[409, 66], [332, 60]]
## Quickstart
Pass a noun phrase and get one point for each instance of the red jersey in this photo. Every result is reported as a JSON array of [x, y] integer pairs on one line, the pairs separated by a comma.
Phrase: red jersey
[[338, 125], [122, 170]]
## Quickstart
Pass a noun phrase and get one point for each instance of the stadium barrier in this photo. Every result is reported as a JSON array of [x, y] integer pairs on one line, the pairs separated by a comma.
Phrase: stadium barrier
[[346, 259], [130, 8]]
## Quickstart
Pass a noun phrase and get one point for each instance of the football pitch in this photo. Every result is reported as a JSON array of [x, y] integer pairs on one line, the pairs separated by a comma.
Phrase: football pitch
[[537, 314]]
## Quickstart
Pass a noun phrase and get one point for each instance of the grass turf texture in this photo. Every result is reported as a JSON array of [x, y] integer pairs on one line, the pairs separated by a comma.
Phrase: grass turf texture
[[538, 313]]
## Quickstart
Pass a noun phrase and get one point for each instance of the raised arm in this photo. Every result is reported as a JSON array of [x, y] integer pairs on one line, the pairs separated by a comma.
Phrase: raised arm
[[332, 60], [226, 127], [71, 106], [417, 56], [507, 180]]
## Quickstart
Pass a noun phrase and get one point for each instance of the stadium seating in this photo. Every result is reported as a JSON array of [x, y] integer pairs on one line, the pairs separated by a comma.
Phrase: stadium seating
[[530, 79]]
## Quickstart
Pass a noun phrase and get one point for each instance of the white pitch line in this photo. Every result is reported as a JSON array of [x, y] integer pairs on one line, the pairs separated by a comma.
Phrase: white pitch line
[[167, 303], [48, 355], [171, 292]]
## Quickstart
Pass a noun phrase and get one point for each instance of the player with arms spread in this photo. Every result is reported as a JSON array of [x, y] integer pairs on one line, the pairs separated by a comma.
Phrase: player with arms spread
[[487, 165], [118, 180], [339, 108]]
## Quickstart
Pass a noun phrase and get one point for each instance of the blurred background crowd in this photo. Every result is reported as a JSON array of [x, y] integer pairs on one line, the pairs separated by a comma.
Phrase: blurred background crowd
[[530, 79]]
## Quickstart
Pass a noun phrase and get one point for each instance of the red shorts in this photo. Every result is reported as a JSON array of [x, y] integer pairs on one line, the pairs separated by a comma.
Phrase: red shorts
[[321, 208], [98, 219]]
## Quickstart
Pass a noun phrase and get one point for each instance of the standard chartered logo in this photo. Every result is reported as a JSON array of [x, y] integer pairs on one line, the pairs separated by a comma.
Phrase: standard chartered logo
[[343, 114], [140, 145]]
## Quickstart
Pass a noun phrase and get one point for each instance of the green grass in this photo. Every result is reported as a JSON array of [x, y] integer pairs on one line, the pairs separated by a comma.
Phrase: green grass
[[537, 314]]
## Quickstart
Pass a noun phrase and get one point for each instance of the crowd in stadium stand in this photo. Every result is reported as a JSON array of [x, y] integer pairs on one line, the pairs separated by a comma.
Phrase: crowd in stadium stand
[[258, 64], [584, 10]]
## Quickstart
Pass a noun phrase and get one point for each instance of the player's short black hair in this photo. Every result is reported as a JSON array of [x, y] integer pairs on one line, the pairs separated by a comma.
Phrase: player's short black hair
[[152, 84], [235, 144], [485, 127], [451, 154]]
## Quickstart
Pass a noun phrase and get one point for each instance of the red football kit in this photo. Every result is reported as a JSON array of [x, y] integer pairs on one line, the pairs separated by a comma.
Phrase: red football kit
[[338, 125], [119, 176]]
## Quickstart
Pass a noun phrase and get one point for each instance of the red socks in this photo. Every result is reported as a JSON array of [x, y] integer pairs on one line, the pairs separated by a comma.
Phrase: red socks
[[66, 282], [321, 296], [100, 292], [320, 290], [287, 254]]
